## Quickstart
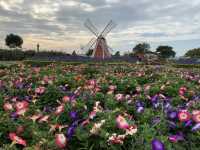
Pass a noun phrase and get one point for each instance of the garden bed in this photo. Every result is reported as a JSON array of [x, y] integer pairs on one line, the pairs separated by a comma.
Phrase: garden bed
[[99, 106]]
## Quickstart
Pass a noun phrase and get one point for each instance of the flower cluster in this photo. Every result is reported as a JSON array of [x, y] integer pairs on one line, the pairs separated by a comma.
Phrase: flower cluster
[[125, 106]]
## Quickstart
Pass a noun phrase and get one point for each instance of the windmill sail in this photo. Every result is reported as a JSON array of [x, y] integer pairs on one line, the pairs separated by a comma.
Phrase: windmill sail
[[101, 50]]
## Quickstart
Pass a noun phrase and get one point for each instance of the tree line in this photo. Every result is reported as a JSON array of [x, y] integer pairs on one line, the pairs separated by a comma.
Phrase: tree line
[[14, 41]]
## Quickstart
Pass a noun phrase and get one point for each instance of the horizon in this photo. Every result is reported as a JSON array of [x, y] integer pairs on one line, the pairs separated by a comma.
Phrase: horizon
[[58, 24]]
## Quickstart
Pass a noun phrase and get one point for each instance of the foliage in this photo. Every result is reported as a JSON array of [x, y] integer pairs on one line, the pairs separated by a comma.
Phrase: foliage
[[117, 54], [89, 52], [13, 41], [141, 48], [194, 53], [165, 51]]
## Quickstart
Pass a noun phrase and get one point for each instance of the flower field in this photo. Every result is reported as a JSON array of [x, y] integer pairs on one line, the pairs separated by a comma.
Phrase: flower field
[[100, 106]]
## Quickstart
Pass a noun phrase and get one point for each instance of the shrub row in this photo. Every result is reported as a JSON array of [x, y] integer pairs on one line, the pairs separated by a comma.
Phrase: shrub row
[[186, 66]]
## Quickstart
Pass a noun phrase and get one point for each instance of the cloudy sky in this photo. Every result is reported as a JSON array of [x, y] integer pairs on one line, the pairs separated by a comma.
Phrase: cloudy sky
[[58, 24]]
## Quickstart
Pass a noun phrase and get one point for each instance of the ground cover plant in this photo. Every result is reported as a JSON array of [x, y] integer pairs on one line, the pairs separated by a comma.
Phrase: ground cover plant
[[99, 106]]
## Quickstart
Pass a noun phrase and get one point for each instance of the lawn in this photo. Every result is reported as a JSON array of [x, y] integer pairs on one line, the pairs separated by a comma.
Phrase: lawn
[[99, 106]]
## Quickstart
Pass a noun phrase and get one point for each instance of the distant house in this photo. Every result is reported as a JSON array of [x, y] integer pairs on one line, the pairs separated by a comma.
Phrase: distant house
[[147, 56]]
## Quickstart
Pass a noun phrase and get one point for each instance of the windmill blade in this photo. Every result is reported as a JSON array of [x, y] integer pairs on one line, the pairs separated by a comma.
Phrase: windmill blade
[[89, 45], [88, 24], [111, 25]]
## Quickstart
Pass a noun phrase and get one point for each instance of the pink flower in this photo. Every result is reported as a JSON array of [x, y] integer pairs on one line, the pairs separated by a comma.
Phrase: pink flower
[[61, 140], [44, 119], [40, 90], [131, 130], [13, 137], [116, 139], [196, 117], [112, 87], [35, 117], [119, 97], [7, 107], [184, 116], [22, 111], [92, 82], [85, 122], [21, 105], [182, 91], [92, 114], [59, 110], [121, 122], [66, 99]]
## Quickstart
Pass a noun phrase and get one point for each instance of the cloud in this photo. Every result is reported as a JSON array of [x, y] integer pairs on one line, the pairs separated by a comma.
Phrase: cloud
[[58, 24]]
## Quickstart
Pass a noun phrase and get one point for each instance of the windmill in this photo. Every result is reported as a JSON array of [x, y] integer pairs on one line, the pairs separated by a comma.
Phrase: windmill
[[101, 49]]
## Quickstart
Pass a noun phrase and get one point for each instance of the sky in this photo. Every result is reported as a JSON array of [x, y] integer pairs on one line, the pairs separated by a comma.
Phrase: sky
[[59, 24]]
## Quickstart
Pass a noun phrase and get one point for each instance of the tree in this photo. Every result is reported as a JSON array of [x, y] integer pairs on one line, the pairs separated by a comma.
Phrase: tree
[[117, 54], [165, 51], [89, 52], [141, 48], [193, 53], [13, 41], [74, 53]]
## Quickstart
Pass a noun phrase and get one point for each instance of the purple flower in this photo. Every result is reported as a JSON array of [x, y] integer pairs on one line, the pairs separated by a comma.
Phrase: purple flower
[[155, 104], [172, 124], [139, 106], [156, 120], [157, 145], [140, 109], [154, 98], [14, 115], [70, 132], [196, 127], [172, 115], [47, 109], [73, 115], [176, 138], [28, 98], [188, 123]]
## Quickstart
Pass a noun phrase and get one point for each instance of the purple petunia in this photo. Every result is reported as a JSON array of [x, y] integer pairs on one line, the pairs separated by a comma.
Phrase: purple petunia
[[176, 138], [14, 115], [172, 115], [196, 127], [73, 115], [70, 131], [139, 106], [157, 145]]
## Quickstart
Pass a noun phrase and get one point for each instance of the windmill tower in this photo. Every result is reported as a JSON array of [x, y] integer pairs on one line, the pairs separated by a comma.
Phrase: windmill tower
[[101, 49]]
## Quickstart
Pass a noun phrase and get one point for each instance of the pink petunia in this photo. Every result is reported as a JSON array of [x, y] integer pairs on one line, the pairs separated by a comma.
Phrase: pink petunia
[[21, 105], [182, 90], [61, 140], [121, 122], [16, 139], [116, 139], [44, 119], [184, 116], [66, 99], [59, 110], [196, 117], [119, 97], [7, 107], [40, 90]]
